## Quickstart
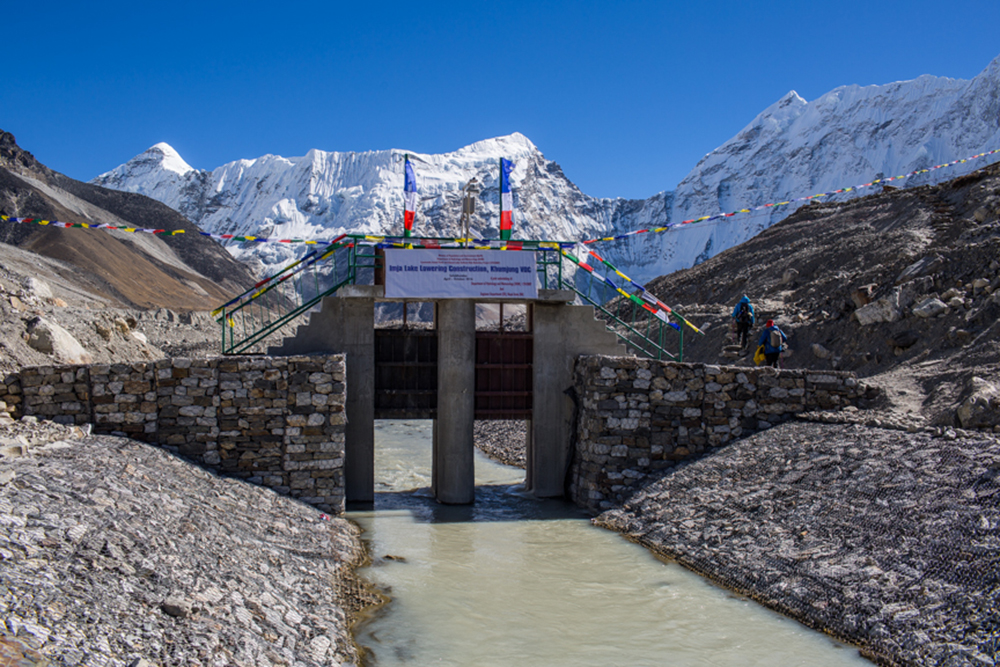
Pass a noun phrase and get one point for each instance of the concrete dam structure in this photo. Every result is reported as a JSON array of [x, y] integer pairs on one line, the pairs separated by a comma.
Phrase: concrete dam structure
[[454, 374]]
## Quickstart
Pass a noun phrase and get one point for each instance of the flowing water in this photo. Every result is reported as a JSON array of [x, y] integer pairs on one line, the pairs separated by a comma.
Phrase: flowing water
[[515, 581]]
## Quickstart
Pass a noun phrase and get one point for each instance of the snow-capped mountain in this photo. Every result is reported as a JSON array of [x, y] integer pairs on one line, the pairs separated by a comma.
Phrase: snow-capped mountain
[[794, 148]]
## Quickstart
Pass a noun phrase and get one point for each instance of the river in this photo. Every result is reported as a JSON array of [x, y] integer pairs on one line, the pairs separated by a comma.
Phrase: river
[[515, 581]]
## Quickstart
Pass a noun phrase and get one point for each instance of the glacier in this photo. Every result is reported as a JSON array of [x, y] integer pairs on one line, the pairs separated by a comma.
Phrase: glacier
[[847, 137]]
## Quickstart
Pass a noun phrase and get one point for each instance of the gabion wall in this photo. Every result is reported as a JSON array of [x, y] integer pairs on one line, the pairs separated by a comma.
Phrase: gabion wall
[[274, 421], [638, 416]]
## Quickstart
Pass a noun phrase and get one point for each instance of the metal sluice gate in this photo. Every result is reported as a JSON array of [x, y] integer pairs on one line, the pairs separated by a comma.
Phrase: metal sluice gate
[[406, 382]]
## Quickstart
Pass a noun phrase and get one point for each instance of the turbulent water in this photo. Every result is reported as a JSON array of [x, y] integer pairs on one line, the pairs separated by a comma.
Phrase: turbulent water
[[515, 581]]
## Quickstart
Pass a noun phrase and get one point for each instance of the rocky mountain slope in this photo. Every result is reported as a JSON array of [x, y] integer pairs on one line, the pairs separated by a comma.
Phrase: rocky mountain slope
[[78, 295], [184, 272], [794, 148], [902, 286]]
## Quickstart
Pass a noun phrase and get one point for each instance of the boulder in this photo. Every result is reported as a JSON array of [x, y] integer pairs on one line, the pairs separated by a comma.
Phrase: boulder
[[881, 310], [912, 290], [38, 287], [820, 352], [921, 267], [981, 408], [50, 338], [931, 307]]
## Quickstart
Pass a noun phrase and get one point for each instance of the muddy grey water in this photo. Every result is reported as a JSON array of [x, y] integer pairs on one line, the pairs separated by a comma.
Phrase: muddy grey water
[[515, 581]]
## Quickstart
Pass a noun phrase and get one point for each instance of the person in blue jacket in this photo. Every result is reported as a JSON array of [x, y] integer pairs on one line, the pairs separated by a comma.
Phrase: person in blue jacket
[[744, 316], [773, 344]]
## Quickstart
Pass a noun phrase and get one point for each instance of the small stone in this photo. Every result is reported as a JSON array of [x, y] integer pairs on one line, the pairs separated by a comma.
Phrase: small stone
[[930, 308], [13, 451], [177, 606]]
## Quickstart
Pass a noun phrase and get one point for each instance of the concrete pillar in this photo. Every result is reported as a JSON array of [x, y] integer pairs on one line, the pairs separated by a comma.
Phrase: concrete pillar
[[347, 325], [561, 334], [454, 479]]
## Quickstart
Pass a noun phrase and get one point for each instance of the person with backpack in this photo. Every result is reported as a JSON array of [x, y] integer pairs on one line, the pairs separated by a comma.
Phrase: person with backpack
[[774, 341], [744, 316]]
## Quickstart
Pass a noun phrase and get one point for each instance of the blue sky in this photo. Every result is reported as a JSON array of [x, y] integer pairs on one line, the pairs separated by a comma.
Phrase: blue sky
[[626, 96]]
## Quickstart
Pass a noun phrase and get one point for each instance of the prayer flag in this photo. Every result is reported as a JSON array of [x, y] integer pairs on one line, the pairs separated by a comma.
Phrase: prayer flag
[[409, 197], [506, 199]]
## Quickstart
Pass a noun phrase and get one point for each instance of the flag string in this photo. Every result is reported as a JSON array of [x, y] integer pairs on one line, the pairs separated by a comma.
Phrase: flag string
[[643, 297], [490, 243], [719, 216]]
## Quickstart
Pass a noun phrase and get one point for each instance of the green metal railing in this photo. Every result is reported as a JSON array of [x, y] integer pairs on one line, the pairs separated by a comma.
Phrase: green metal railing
[[272, 306]]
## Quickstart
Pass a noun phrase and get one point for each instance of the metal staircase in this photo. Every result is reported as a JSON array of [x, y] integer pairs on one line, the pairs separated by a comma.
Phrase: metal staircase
[[272, 307]]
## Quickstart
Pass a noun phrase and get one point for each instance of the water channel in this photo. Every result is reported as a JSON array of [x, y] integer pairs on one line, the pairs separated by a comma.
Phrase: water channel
[[516, 581]]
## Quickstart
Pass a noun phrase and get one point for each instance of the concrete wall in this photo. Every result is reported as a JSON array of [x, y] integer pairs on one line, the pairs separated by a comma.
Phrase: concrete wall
[[639, 416], [274, 421], [346, 326], [562, 332]]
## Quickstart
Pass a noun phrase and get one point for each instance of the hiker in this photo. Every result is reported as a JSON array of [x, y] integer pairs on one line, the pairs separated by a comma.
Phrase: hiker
[[774, 341], [744, 316]]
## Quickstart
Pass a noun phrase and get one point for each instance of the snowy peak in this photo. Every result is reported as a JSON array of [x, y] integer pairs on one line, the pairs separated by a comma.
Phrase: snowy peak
[[154, 172], [779, 115], [793, 148], [170, 159]]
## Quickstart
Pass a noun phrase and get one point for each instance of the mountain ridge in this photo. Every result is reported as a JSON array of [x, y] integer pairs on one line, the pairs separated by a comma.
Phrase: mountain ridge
[[847, 136]]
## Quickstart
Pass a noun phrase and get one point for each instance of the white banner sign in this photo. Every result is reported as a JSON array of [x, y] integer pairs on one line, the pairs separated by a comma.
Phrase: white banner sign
[[460, 274]]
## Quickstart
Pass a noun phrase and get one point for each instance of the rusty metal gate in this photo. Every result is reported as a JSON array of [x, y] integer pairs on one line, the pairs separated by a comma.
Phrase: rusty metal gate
[[405, 374], [503, 375]]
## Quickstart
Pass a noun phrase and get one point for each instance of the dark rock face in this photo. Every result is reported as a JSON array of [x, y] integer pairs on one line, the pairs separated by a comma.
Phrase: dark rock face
[[887, 252], [184, 271], [887, 540]]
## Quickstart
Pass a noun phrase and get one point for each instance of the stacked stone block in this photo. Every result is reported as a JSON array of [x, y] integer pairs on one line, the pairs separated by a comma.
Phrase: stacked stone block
[[640, 416], [58, 393], [274, 421], [123, 399]]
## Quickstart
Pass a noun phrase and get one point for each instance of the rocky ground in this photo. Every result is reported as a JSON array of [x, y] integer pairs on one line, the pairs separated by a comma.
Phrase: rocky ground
[[503, 441], [114, 552], [887, 540]]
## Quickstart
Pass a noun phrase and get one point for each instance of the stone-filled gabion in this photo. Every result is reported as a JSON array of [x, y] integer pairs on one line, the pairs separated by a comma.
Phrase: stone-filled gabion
[[639, 416], [274, 421]]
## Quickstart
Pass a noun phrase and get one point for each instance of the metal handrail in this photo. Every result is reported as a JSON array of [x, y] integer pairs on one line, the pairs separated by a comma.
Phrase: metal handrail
[[275, 302]]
